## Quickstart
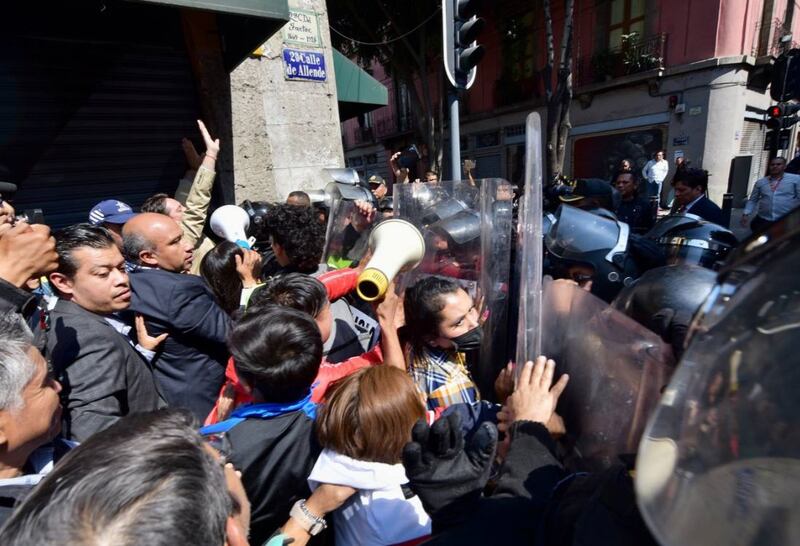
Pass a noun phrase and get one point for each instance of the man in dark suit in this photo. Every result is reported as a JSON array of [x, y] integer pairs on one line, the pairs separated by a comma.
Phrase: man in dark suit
[[690, 187], [104, 377], [191, 367]]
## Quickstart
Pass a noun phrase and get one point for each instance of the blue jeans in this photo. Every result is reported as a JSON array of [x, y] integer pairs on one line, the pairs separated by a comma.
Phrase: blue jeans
[[652, 189]]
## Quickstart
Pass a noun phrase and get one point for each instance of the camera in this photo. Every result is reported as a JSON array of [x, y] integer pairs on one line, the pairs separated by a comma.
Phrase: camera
[[409, 157], [32, 216]]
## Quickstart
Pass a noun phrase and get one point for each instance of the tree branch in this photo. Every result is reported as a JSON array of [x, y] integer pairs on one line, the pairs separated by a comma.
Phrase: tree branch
[[547, 72]]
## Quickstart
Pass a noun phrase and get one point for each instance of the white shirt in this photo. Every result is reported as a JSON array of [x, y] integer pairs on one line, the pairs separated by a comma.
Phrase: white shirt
[[379, 513], [656, 171], [772, 204], [41, 461]]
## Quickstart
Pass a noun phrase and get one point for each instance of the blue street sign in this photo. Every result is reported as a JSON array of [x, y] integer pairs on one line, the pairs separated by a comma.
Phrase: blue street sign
[[305, 65]]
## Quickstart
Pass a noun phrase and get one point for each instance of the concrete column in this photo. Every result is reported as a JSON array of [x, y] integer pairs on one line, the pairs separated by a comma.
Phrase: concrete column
[[726, 107], [284, 132]]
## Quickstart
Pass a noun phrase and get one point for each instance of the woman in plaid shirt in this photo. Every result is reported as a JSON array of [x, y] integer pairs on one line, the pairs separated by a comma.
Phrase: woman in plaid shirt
[[442, 324]]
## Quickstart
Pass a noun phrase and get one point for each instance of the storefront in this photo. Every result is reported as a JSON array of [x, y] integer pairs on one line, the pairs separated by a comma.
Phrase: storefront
[[95, 97]]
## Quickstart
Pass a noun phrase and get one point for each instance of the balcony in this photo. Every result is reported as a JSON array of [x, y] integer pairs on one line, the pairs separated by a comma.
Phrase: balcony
[[382, 128], [635, 55], [390, 126]]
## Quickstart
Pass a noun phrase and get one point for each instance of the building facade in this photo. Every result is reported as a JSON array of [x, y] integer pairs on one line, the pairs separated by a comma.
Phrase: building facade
[[96, 97], [687, 77]]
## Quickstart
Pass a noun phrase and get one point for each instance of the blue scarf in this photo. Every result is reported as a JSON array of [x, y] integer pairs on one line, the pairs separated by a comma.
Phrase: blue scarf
[[263, 411]]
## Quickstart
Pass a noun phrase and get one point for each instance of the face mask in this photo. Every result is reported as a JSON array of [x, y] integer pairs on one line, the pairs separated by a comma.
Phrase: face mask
[[469, 341]]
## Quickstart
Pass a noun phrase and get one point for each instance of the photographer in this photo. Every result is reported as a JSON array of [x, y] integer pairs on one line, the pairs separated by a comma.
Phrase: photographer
[[26, 252], [401, 173]]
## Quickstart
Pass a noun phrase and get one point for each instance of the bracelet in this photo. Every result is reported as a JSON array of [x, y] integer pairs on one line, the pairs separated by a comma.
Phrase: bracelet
[[211, 156], [311, 523]]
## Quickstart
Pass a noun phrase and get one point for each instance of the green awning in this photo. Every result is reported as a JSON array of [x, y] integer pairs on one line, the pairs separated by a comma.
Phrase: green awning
[[243, 24], [358, 91]]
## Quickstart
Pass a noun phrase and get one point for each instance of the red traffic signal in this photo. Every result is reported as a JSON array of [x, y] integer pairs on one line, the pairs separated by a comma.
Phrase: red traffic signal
[[783, 115]]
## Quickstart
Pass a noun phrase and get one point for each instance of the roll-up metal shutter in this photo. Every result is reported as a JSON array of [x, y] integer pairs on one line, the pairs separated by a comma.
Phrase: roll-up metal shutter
[[752, 143], [96, 111]]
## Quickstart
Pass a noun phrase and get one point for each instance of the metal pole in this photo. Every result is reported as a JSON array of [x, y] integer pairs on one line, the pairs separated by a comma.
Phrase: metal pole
[[727, 206], [455, 137]]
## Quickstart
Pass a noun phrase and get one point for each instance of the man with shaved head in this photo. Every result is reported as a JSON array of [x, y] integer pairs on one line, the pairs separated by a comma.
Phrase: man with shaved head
[[190, 368]]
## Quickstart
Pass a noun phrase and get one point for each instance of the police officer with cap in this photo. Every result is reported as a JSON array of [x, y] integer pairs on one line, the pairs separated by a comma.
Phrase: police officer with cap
[[589, 194], [377, 185]]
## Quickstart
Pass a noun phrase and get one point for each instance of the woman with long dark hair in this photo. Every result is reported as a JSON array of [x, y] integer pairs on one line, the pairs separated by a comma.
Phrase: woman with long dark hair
[[441, 325], [232, 273]]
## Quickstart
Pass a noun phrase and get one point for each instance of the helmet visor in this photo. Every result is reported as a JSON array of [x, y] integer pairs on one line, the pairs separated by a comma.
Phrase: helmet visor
[[576, 232]]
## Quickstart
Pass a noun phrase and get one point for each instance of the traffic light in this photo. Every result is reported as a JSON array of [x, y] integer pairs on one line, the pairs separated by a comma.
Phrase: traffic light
[[785, 83], [783, 115], [461, 27]]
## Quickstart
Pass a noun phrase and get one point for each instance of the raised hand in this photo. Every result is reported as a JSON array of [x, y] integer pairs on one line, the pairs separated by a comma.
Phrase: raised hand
[[535, 397], [145, 339], [26, 251], [190, 152], [212, 144], [248, 266], [365, 215], [504, 384]]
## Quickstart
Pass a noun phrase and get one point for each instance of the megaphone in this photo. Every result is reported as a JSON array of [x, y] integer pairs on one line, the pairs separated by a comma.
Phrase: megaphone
[[231, 223], [397, 245]]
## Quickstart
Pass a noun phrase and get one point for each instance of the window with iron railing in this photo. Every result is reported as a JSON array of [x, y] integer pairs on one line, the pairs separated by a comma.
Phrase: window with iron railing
[[634, 55], [625, 17]]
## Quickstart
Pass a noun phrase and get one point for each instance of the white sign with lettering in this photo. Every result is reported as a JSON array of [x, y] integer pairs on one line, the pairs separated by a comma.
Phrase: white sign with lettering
[[302, 29]]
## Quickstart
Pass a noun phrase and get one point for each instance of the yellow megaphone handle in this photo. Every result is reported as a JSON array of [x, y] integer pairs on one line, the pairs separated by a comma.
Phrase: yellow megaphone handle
[[372, 284]]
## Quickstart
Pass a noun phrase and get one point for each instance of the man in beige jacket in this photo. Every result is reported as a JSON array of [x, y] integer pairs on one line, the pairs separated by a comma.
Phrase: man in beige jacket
[[191, 215]]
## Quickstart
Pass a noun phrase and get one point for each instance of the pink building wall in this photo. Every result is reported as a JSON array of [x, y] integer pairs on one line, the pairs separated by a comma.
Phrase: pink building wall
[[696, 30]]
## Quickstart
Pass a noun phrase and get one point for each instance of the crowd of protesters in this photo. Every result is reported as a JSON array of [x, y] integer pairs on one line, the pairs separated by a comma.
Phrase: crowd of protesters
[[161, 387]]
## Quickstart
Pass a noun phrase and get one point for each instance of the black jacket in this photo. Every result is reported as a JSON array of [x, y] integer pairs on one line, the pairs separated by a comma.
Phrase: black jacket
[[190, 367], [275, 457], [103, 377], [16, 300], [706, 209], [637, 213]]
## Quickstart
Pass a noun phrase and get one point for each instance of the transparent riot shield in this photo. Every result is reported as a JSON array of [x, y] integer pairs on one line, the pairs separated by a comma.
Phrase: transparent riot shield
[[720, 459], [467, 232], [347, 237], [617, 369], [449, 216], [530, 252]]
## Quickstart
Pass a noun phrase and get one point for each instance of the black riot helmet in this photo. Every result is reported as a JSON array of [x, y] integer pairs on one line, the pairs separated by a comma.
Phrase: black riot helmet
[[680, 287], [719, 462], [460, 229], [386, 204], [583, 238], [687, 238], [257, 211]]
